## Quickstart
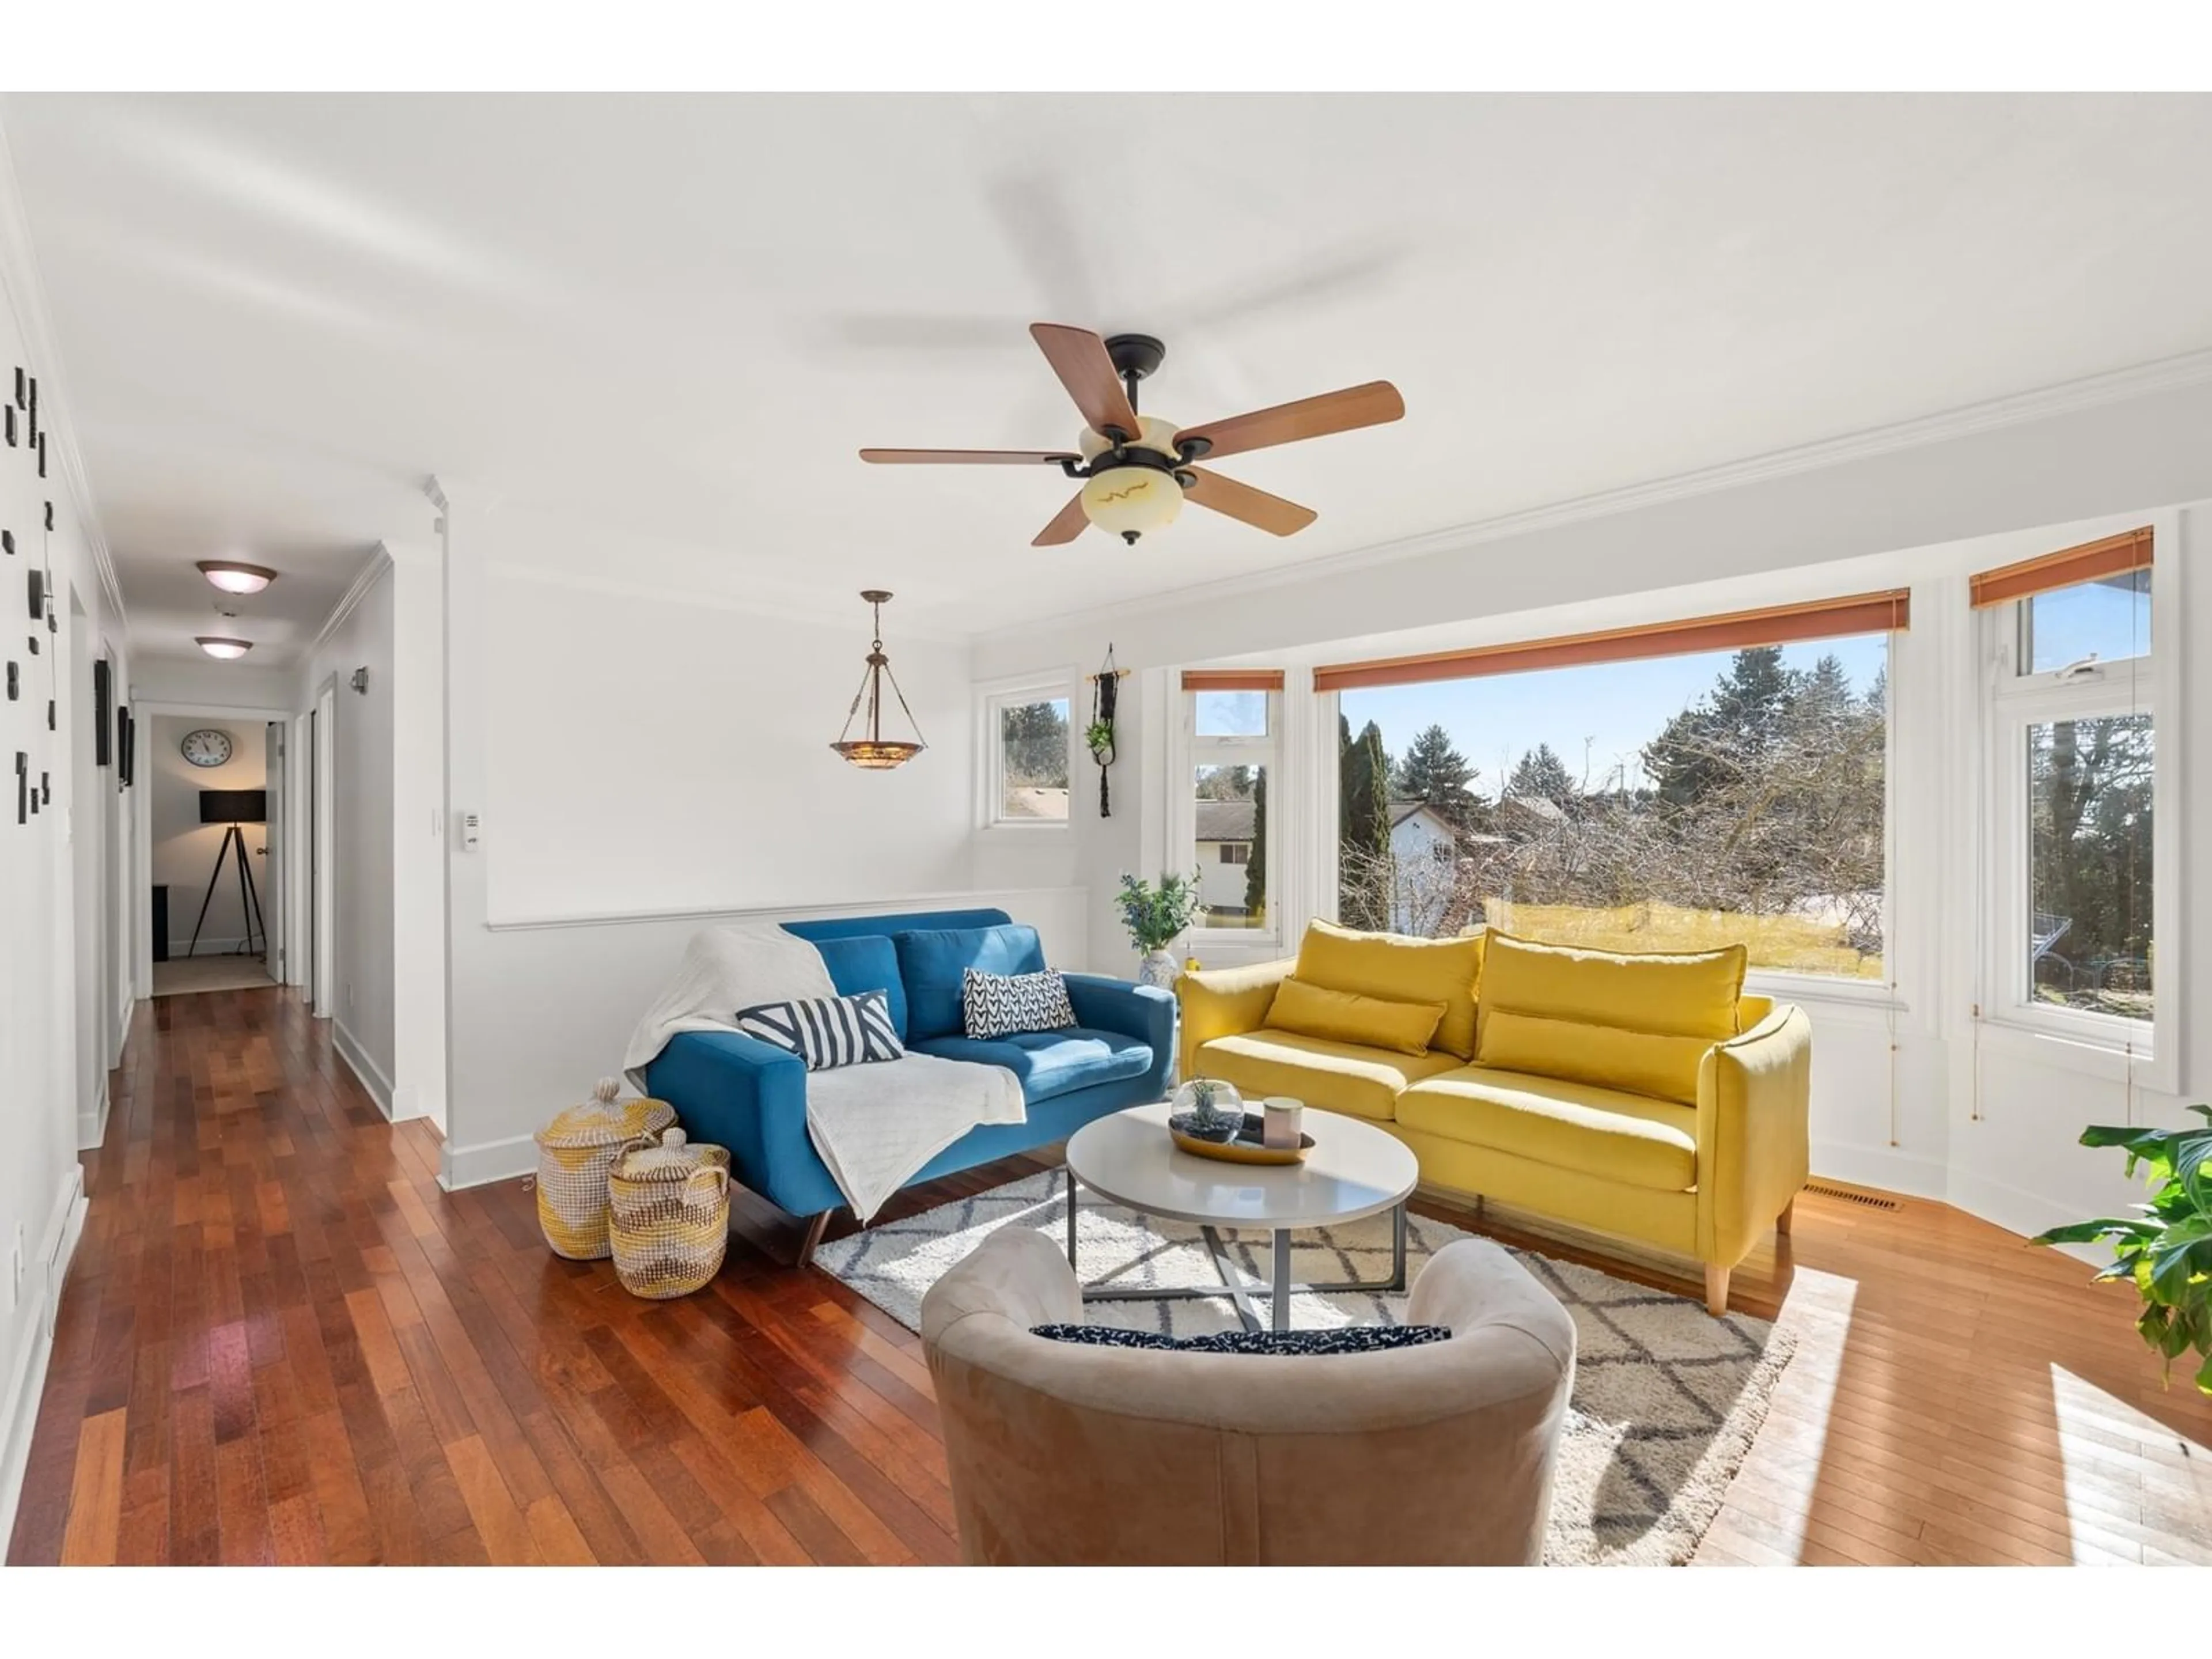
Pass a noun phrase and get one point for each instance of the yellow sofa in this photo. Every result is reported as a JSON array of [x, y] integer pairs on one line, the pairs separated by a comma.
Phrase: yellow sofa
[[1645, 1097]]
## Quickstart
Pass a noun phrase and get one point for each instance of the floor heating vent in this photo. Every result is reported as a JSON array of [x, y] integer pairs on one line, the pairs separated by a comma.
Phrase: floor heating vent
[[1851, 1195]]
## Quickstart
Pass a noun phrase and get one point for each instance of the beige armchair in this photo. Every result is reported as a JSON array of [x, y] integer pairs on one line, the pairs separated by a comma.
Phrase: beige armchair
[[1063, 1454]]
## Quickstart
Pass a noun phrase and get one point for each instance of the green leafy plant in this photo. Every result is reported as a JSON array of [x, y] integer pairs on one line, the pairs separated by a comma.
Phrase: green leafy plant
[[2166, 1251], [1155, 916], [1098, 736]]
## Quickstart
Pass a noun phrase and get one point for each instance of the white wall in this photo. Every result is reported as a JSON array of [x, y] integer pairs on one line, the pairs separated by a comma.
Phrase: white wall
[[181, 850], [360, 997], [1896, 1100], [649, 753], [643, 766], [44, 1108], [418, 863], [208, 684]]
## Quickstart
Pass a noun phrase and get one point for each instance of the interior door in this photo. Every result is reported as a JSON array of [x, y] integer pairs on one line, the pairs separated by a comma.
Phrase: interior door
[[274, 838]]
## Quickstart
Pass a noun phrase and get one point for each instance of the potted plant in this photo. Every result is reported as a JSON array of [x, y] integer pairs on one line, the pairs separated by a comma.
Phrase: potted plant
[[2166, 1251], [1156, 917], [1098, 737]]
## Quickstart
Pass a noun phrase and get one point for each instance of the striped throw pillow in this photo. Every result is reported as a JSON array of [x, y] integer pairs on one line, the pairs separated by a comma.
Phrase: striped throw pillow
[[1003, 1005], [827, 1031]]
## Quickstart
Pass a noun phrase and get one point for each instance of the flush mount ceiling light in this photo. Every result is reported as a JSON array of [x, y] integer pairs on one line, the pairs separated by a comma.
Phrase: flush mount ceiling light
[[874, 751], [1137, 470], [223, 648], [236, 578]]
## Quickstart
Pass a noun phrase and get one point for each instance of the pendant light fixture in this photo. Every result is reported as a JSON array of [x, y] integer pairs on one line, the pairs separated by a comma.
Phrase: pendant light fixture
[[875, 751]]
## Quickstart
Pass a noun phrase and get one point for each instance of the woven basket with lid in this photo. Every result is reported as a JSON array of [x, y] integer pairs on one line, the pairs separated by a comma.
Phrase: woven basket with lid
[[574, 1151], [668, 1214]]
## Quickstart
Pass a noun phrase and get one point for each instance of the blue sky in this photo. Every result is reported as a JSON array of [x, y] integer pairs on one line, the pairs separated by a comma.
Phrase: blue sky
[[1613, 710]]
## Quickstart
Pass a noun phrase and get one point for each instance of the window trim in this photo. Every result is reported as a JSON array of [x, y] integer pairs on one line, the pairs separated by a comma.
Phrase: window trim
[[2011, 702], [992, 695]]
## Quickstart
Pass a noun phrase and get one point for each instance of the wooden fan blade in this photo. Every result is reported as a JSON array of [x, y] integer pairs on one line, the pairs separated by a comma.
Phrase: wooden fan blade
[[1066, 525], [967, 457], [1078, 357], [1255, 507], [1309, 417]]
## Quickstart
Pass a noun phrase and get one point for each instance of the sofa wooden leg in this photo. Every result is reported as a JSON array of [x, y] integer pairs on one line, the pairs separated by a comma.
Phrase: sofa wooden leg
[[816, 1225], [1783, 1221], [1716, 1280]]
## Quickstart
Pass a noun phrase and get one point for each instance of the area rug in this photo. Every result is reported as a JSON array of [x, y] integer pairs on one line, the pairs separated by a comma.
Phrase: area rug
[[1666, 1402]]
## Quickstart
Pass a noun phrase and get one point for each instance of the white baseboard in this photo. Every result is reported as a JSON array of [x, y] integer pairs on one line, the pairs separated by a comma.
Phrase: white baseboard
[[20, 1415], [209, 948], [493, 1160], [92, 1118], [2018, 1211], [358, 1062], [1885, 1167]]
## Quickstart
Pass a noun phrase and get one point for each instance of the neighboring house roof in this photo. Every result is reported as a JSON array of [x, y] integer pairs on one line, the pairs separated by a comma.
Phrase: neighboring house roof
[[1402, 809], [1535, 806], [1224, 820]]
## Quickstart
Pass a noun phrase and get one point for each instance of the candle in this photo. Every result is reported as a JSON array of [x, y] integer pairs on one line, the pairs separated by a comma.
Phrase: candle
[[1279, 1120]]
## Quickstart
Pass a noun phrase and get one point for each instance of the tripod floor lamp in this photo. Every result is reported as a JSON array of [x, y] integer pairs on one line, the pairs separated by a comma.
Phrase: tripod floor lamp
[[233, 807]]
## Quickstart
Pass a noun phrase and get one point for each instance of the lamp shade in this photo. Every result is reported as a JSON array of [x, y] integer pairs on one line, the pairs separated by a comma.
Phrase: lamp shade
[[234, 806]]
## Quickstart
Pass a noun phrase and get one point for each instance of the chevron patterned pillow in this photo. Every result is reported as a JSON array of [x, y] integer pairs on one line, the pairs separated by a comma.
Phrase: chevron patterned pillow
[[827, 1031], [1003, 1005]]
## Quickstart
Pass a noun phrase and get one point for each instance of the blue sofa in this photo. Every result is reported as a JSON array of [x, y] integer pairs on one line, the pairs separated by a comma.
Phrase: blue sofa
[[750, 1096]]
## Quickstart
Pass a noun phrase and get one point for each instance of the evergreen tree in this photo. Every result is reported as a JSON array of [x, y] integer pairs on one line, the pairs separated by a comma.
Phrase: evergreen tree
[[1364, 829], [1436, 773], [1255, 867], [1540, 774], [1728, 732]]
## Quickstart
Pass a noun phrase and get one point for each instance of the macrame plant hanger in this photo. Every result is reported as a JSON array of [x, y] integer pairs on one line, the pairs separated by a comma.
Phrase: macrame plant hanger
[[1105, 691]]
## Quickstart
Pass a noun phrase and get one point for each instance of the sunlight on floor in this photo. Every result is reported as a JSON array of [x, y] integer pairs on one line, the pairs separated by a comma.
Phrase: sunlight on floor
[[2100, 1440]]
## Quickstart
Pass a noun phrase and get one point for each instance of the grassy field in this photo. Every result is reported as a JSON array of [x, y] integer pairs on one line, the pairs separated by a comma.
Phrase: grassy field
[[1796, 944]]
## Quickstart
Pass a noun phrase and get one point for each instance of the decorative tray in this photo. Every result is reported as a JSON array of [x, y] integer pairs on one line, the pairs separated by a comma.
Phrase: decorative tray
[[1246, 1148]]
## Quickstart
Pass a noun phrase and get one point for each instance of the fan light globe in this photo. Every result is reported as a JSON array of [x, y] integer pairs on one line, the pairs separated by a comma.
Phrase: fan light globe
[[1131, 500]]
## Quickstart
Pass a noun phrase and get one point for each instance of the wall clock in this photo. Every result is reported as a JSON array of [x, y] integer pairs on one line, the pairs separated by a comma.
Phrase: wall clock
[[206, 748]]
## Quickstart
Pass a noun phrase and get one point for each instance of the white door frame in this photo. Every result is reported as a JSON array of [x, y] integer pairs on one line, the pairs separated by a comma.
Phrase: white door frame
[[142, 808]]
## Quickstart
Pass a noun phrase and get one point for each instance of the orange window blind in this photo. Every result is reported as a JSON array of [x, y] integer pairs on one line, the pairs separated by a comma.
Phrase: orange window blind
[[2113, 556], [1780, 624], [1232, 679]]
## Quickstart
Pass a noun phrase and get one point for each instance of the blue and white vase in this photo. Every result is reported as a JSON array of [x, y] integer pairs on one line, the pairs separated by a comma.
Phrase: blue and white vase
[[1158, 968]]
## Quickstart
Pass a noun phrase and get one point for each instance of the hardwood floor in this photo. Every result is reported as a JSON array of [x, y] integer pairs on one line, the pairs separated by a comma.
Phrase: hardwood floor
[[280, 1342]]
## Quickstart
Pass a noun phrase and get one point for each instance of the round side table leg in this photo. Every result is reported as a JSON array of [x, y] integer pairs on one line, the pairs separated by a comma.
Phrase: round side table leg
[[1071, 1227], [1282, 1317]]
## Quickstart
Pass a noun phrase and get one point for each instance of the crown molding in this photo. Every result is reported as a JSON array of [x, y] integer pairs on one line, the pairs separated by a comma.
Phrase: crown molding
[[25, 292], [372, 570], [2093, 391]]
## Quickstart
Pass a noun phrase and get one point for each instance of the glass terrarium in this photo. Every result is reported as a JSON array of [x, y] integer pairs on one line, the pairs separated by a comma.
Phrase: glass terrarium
[[1207, 1108]]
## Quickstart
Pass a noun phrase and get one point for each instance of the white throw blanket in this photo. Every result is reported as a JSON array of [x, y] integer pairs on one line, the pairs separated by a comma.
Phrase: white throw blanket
[[875, 1126]]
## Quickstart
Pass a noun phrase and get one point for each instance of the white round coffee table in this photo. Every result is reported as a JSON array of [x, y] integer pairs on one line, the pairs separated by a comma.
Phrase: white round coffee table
[[1354, 1169]]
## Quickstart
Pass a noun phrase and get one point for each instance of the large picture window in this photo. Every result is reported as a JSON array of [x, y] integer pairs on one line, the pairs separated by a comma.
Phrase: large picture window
[[1658, 801]]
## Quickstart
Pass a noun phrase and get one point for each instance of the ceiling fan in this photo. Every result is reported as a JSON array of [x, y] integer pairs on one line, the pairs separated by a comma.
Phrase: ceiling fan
[[1138, 470]]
